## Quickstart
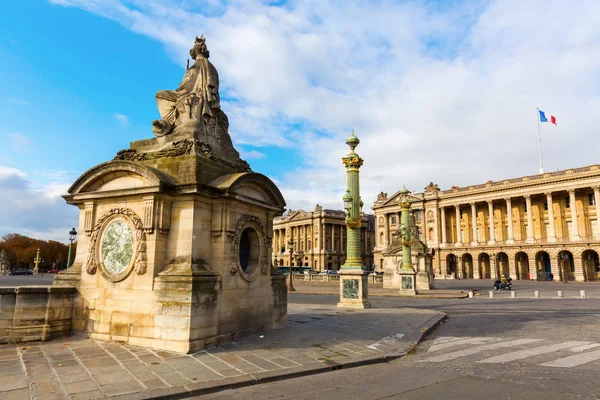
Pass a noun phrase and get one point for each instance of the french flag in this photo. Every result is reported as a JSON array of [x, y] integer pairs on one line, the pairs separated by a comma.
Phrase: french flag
[[544, 119]]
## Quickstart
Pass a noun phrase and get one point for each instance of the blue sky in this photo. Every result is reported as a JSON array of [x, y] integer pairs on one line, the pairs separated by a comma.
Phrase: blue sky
[[436, 91]]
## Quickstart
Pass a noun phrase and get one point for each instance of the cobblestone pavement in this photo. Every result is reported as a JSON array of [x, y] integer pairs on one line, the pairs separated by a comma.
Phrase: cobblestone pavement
[[319, 338]]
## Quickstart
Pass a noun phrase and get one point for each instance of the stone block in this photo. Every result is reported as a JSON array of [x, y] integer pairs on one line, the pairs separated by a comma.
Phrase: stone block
[[169, 321]]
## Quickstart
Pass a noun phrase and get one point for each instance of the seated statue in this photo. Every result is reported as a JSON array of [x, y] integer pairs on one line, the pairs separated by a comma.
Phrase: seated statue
[[196, 99]]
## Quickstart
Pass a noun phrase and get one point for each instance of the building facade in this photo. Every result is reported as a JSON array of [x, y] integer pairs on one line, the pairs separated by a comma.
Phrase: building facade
[[532, 227], [321, 235]]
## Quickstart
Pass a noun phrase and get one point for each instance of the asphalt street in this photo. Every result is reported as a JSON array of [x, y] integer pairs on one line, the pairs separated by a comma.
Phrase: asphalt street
[[521, 348]]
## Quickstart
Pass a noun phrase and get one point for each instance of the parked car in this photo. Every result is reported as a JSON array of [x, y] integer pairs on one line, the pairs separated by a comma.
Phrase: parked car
[[328, 272], [21, 272], [53, 271]]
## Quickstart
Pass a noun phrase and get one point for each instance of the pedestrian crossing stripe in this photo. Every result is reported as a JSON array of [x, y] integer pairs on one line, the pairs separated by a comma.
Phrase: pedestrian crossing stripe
[[476, 345], [536, 351]]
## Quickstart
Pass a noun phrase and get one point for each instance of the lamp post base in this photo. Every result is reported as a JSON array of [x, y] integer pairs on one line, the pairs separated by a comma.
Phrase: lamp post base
[[408, 279], [354, 291]]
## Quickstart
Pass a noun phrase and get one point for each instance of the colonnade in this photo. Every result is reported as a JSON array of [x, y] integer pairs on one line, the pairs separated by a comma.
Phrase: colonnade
[[483, 228]]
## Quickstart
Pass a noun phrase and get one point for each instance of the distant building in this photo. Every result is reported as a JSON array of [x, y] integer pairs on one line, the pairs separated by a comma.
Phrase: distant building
[[527, 228], [321, 235]]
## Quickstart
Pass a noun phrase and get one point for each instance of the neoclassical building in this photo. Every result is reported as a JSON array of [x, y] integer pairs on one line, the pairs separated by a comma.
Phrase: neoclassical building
[[527, 228], [321, 235]]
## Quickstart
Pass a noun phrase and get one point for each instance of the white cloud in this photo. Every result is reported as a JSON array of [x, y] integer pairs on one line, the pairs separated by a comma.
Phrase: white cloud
[[435, 92], [20, 143], [36, 212], [251, 155], [123, 119]]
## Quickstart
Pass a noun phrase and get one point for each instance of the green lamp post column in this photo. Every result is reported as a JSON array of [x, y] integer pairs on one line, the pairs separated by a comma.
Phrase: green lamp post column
[[353, 275], [406, 271]]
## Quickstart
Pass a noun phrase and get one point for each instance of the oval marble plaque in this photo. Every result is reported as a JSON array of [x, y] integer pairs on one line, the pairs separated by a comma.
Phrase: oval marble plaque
[[117, 247]]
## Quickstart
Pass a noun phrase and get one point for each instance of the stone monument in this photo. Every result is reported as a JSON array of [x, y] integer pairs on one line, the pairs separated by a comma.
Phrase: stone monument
[[404, 254], [175, 232], [3, 262]]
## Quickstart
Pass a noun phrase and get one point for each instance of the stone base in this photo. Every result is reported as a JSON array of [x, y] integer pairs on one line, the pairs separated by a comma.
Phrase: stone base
[[408, 281], [354, 289]]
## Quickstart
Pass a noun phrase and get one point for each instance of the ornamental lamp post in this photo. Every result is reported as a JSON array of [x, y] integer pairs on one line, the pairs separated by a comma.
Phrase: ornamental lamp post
[[36, 268], [408, 275], [291, 284], [353, 274], [72, 235]]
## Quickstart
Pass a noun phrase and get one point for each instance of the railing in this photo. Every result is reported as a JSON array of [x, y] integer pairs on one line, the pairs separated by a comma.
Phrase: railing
[[35, 313], [335, 278]]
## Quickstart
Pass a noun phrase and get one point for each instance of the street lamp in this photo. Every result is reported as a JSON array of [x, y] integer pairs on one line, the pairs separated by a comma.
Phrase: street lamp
[[291, 284], [72, 235]]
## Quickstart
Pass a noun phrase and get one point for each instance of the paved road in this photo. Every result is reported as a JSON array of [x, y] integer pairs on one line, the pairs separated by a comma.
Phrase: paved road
[[31, 280], [489, 348]]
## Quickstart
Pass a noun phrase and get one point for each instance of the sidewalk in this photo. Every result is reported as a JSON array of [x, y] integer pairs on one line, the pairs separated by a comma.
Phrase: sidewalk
[[333, 288], [319, 338]]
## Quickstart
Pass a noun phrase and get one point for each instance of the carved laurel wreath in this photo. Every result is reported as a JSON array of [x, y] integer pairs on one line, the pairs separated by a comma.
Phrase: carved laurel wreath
[[235, 244], [140, 250]]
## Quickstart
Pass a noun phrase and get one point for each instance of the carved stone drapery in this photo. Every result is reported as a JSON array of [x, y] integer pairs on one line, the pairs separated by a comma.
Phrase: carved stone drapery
[[139, 256]]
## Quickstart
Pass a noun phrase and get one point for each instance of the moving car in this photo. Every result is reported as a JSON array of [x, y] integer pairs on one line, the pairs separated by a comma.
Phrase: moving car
[[53, 271], [21, 272]]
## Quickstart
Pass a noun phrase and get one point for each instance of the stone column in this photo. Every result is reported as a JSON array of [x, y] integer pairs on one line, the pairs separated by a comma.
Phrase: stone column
[[578, 264], [597, 199], [555, 267], [551, 229], [385, 232], [511, 235], [493, 266], [458, 238], [491, 222], [530, 238], [475, 239], [475, 266], [574, 219], [443, 244], [532, 271], [333, 237], [512, 267]]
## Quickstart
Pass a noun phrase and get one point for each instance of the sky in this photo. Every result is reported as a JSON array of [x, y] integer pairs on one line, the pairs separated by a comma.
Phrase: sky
[[437, 91]]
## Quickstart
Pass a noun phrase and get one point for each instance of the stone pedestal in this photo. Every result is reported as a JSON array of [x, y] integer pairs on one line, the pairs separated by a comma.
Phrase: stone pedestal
[[354, 289], [408, 282]]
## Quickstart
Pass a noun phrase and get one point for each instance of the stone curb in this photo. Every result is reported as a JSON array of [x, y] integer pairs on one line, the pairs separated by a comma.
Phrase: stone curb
[[203, 388]]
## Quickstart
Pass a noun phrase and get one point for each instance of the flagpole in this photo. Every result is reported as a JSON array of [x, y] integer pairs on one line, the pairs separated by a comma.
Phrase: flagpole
[[540, 140]]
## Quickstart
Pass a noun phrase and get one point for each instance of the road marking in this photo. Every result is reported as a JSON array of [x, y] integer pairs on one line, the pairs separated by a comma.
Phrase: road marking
[[584, 348], [573, 361], [459, 342], [478, 349], [387, 341], [446, 339], [520, 354]]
